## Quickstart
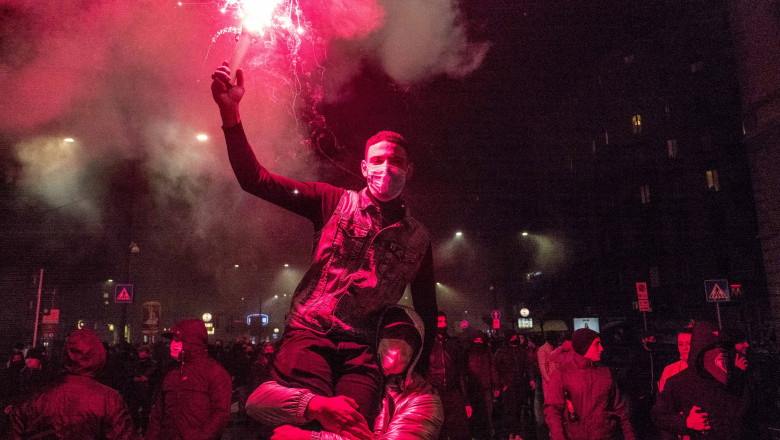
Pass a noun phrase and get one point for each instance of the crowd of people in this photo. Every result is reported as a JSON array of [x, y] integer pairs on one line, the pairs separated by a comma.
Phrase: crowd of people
[[476, 385]]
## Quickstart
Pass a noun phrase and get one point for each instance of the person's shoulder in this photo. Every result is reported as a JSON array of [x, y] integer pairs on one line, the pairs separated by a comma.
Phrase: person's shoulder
[[680, 379], [89, 385]]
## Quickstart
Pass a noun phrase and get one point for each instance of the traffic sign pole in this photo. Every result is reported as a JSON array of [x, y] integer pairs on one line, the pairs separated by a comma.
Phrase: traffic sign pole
[[720, 324]]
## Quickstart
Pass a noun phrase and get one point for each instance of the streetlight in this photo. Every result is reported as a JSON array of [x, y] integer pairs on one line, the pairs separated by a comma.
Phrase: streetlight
[[459, 234], [202, 137], [524, 234]]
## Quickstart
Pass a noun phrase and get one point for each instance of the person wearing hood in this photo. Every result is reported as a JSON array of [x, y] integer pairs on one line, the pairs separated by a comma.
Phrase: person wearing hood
[[75, 406], [702, 400], [515, 369], [194, 401], [446, 374], [482, 386], [410, 409], [582, 401], [367, 249]]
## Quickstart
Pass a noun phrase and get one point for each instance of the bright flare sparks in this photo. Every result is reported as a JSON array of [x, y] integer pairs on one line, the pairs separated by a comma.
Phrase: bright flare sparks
[[69, 140], [257, 15], [202, 137]]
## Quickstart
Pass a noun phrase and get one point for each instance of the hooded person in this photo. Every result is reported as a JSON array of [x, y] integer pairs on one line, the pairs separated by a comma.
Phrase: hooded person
[[194, 401], [701, 400], [75, 406], [410, 407]]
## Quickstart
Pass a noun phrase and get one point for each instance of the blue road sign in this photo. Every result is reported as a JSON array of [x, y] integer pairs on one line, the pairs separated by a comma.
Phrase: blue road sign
[[717, 290]]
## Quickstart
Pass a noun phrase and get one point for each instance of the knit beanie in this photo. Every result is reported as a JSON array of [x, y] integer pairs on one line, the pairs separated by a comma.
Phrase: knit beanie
[[581, 340]]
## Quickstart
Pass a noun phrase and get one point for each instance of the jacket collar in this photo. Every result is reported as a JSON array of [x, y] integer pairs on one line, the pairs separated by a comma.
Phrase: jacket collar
[[581, 361], [366, 202]]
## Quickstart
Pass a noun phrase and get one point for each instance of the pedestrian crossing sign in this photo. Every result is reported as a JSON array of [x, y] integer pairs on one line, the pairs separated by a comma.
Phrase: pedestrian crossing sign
[[717, 290], [123, 293]]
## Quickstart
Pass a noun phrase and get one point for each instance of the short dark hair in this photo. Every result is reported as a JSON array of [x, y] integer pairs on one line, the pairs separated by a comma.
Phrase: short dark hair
[[388, 136], [441, 313]]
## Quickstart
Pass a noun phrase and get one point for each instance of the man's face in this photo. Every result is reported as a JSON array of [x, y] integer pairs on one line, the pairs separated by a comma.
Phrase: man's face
[[649, 342], [33, 363], [742, 347], [176, 346], [441, 322], [594, 351], [268, 350], [143, 356], [394, 355], [478, 340], [386, 168], [684, 345]]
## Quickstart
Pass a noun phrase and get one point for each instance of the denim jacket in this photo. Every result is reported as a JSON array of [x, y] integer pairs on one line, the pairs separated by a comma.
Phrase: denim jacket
[[358, 268]]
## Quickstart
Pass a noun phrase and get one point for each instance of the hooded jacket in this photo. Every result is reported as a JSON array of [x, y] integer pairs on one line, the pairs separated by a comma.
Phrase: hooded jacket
[[727, 406], [194, 402], [410, 409], [600, 407], [76, 406]]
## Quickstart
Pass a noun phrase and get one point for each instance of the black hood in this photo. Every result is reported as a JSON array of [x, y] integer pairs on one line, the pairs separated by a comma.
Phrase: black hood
[[84, 354], [704, 338], [192, 333]]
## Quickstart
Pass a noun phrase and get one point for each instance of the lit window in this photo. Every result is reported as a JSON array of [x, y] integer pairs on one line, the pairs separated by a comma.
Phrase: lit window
[[713, 183], [644, 193], [636, 123], [671, 146]]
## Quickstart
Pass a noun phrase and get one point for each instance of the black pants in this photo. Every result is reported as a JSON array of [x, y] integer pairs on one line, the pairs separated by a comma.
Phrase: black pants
[[331, 367], [456, 426]]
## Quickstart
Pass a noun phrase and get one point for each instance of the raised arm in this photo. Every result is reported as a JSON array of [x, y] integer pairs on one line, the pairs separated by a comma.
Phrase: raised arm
[[315, 201]]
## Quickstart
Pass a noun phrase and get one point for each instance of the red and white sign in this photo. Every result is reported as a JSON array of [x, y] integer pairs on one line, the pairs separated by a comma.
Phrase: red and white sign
[[123, 293], [641, 295]]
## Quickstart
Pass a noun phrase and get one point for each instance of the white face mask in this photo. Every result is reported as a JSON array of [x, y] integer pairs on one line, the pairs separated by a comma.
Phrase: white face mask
[[176, 347], [385, 182]]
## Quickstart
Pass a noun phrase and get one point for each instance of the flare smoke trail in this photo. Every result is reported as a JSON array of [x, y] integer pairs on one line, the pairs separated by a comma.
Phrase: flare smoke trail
[[127, 81]]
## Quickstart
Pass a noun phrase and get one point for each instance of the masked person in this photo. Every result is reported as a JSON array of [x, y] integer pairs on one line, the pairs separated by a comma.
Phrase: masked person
[[75, 406], [194, 401], [367, 249], [482, 386], [701, 401], [411, 410], [446, 375], [597, 409], [514, 366]]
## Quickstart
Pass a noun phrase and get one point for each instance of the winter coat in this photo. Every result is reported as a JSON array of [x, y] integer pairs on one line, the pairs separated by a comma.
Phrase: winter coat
[[728, 407], [76, 406], [445, 368], [411, 410], [194, 401], [600, 408], [514, 368]]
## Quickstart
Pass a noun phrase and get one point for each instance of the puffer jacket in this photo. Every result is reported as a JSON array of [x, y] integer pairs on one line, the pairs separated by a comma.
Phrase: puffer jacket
[[411, 410], [194, 402], [600, 408], [729, 407], [76, 406]]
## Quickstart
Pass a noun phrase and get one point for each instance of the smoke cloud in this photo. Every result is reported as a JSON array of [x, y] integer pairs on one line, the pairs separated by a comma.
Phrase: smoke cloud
[[129, 81]]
